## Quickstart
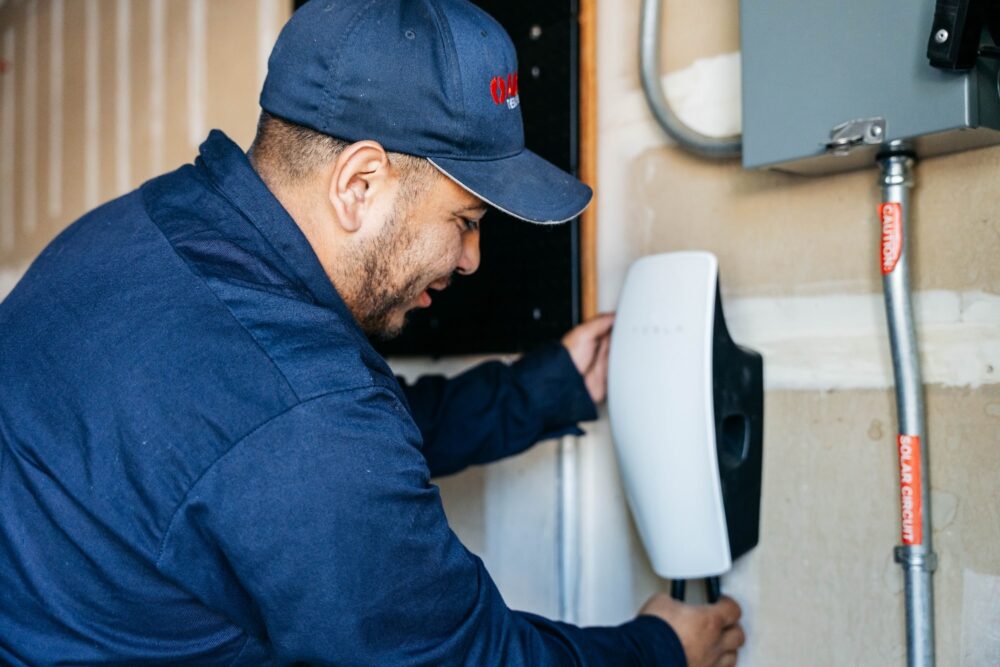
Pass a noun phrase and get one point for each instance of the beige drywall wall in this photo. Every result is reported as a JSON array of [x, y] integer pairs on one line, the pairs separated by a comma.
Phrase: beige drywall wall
[[97, 96], [798, 259]]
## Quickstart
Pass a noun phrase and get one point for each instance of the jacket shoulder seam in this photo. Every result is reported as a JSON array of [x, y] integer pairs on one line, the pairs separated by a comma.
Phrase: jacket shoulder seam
[[215, 295]]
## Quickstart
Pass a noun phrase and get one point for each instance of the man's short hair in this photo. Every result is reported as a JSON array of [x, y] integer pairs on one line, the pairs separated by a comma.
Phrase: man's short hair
[[286, 153]]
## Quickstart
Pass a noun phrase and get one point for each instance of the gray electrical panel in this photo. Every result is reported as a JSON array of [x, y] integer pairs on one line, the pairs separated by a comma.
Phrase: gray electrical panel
[[826, 84]]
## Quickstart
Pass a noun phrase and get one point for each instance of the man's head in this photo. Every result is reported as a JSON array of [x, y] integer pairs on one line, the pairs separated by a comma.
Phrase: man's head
[[387, 227], [424, 97]]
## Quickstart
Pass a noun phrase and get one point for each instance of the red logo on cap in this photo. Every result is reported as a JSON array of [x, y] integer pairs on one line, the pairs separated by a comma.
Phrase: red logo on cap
[[504, 89]]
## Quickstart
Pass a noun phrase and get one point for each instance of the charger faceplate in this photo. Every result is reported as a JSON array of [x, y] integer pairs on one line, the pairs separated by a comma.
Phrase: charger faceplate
[[660, 397]]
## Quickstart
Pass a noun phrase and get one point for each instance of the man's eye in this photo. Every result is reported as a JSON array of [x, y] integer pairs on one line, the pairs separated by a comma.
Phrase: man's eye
[[470, 224]]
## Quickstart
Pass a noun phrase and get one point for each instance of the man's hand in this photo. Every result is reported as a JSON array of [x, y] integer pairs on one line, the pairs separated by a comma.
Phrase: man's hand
[[710, 633], [588, 346]]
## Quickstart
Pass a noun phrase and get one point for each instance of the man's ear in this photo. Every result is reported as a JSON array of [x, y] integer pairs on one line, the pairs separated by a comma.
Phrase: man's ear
[[360, 174]]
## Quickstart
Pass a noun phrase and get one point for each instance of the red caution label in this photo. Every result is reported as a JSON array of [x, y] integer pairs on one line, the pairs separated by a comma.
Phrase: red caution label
[[891, 215], [909, 489]]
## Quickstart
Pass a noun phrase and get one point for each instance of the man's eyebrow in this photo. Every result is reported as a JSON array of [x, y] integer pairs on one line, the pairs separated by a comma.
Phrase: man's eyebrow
[[471, 207]]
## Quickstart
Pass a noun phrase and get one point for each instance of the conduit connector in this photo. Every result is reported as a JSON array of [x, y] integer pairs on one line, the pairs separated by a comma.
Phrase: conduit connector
[[915, 559]]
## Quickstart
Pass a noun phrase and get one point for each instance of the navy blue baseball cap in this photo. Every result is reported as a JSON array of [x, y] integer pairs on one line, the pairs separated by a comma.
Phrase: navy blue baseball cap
[[431, 78]]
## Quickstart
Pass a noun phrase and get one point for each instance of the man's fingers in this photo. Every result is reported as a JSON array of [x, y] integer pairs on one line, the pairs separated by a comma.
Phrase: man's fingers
[[597, 375], [732, 638], [601, 358], [726, 660], [729, 612], [584, 340], [598, 325]]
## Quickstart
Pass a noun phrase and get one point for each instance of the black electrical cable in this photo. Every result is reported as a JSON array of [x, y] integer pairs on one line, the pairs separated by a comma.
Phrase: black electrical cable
[[677, 589], [713, 588]]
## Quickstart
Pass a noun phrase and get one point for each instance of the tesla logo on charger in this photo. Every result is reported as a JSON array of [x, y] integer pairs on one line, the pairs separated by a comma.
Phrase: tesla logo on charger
[[891, 214], [503, 89]]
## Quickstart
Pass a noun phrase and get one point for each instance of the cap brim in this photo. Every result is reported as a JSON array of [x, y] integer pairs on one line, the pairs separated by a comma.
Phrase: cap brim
[[524, 186]]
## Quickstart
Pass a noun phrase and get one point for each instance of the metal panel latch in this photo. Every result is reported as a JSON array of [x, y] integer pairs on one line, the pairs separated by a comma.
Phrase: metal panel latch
[[853, 133]]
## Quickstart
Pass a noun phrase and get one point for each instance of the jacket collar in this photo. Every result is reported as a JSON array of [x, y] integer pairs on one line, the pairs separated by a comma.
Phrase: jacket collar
[[230, 172], [234, 177]]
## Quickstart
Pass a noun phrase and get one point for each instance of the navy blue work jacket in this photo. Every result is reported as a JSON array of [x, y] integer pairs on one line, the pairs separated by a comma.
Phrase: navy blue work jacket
[[203, 461]]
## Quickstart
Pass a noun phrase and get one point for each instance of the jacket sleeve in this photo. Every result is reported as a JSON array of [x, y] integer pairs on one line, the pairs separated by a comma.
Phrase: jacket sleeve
[[321, 535], [495, 410]]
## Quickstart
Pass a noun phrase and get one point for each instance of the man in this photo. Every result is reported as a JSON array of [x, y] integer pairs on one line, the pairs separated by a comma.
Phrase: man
[[204, 461]]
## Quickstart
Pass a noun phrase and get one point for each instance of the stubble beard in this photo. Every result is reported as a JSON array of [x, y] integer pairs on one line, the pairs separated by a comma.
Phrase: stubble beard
[[387, 280]]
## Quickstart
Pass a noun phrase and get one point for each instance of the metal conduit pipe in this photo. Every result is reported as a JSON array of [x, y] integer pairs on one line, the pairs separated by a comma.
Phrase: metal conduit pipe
[[916, 554], [649, 59]]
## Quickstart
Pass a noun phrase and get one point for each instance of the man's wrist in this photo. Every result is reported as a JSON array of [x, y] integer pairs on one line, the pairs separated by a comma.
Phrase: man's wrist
[[558, 392], [656, 641]]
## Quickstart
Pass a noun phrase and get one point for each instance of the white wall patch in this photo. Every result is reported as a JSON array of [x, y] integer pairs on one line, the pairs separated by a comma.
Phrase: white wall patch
[[841, 342], [980, 613]]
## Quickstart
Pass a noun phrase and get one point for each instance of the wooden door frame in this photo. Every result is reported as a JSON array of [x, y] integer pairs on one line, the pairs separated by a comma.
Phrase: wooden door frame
[[588, 155]]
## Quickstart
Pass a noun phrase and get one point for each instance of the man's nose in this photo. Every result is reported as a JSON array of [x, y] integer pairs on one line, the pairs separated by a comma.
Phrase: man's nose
[[469, 261]]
